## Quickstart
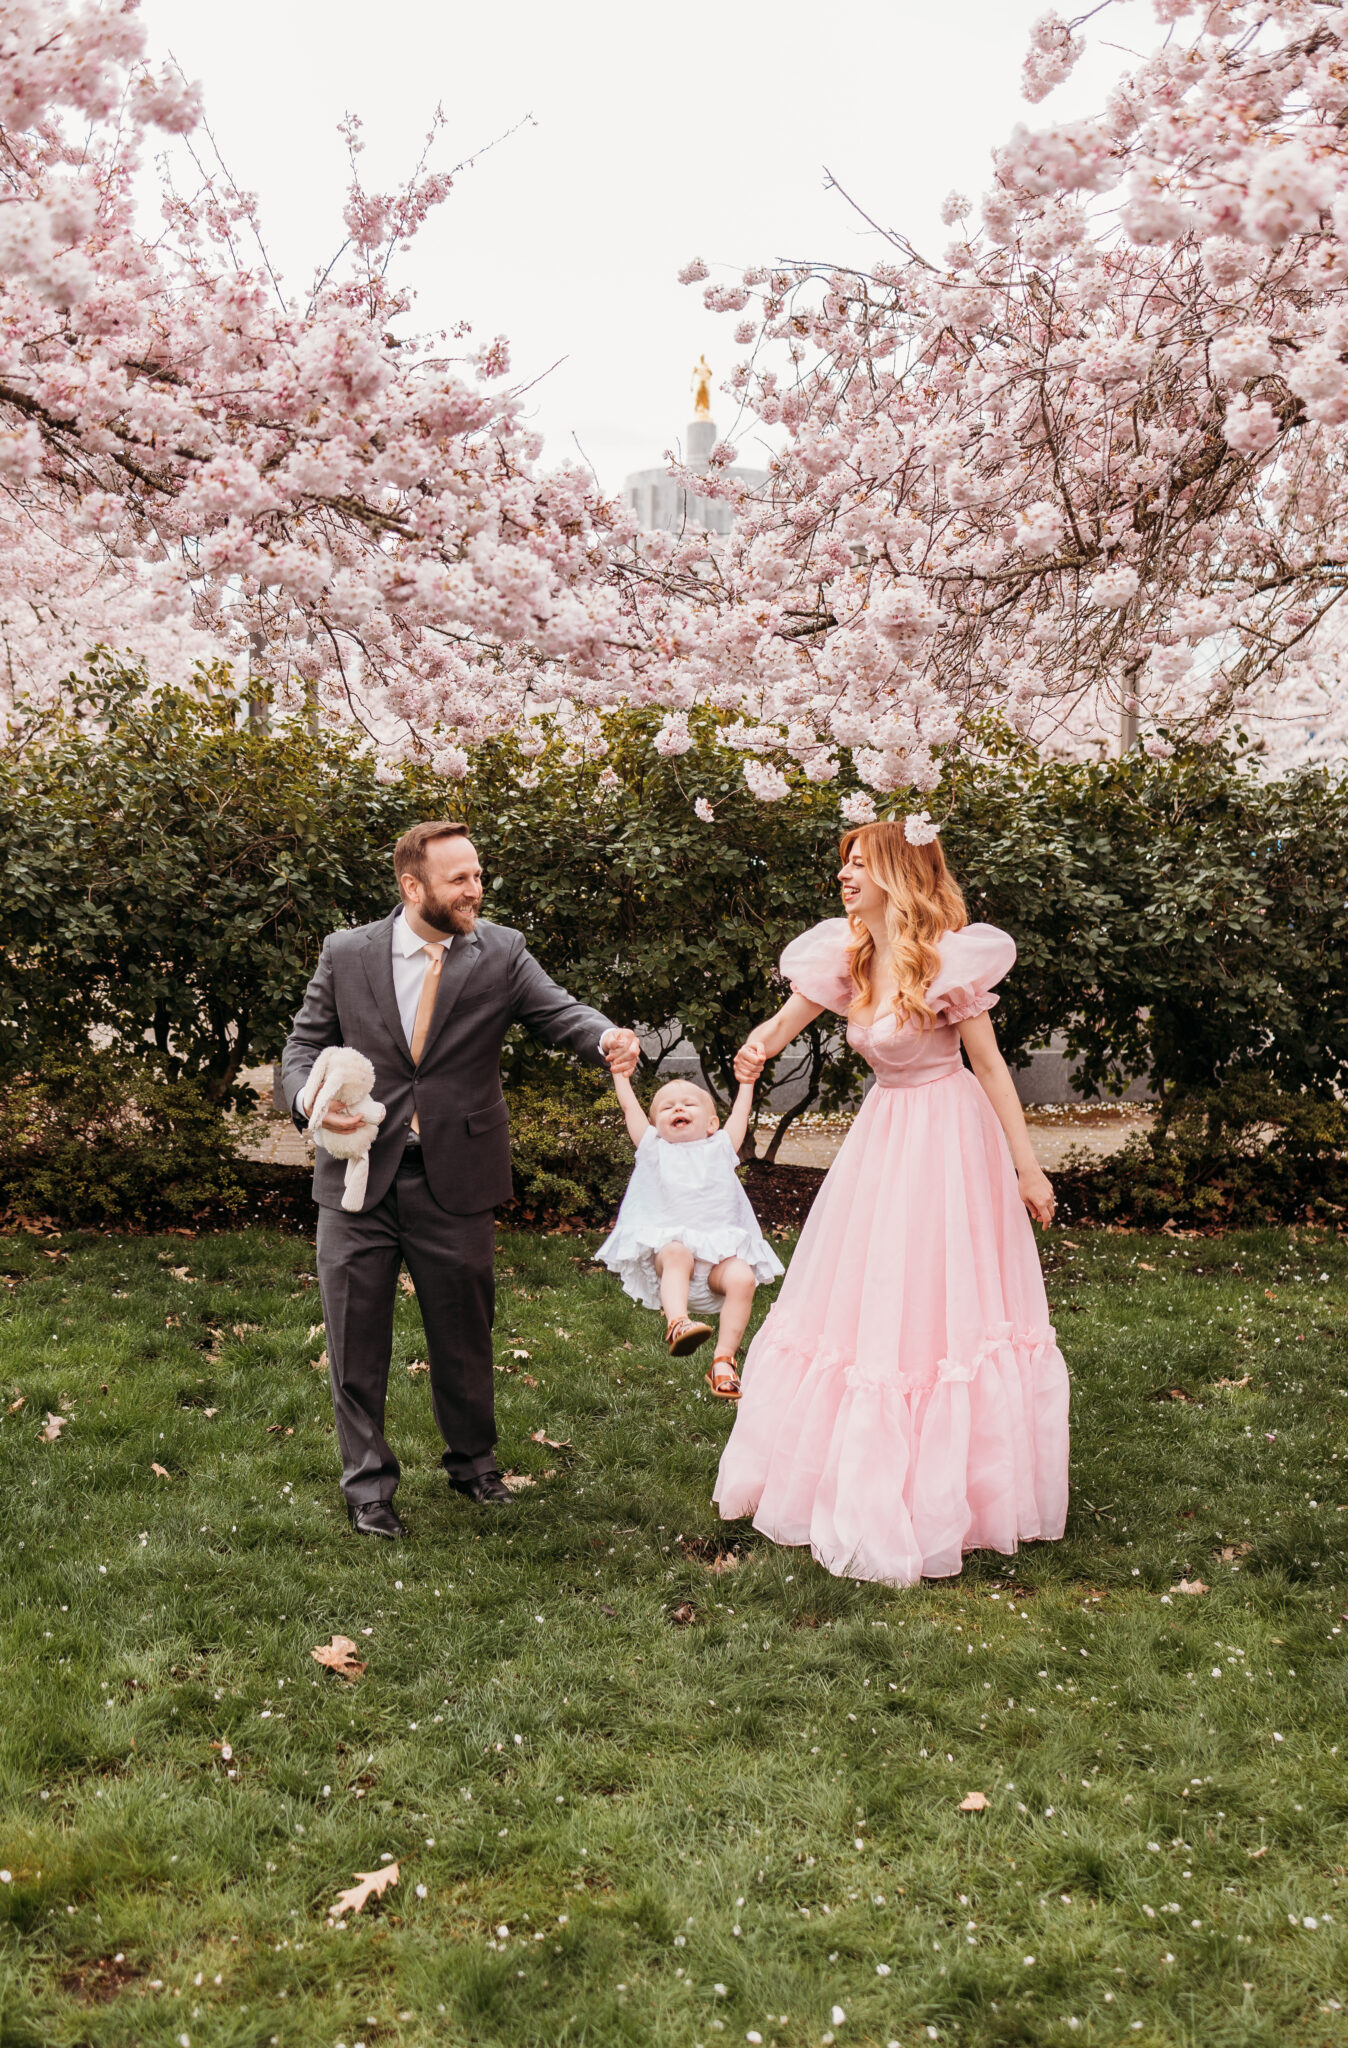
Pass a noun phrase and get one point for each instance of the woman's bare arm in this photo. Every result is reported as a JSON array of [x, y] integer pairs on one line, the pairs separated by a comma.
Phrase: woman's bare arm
[[766, 1040], [638, 1123], [980, 1042]]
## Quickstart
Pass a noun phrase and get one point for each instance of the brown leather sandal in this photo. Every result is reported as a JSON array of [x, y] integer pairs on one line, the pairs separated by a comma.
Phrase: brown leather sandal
[[726, 1384], [685, 1336]]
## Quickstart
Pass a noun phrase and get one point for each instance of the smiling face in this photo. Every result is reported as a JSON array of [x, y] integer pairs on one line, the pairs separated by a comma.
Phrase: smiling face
[[447, 897], [861, 894], [682, 1113]]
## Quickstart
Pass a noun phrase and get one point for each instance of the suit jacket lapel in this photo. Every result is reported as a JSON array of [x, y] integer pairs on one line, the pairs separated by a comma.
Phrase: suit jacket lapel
[[378, 958], [462, 958]]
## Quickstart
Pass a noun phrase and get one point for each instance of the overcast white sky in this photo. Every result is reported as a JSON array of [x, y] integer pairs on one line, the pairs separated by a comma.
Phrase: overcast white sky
[[661, 133]]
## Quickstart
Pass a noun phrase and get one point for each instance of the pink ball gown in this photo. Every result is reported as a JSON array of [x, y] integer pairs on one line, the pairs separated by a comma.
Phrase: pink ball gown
[[905, 1400]]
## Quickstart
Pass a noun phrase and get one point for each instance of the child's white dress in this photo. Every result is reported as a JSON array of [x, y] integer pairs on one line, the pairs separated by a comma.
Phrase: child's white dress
[[686, 1194]]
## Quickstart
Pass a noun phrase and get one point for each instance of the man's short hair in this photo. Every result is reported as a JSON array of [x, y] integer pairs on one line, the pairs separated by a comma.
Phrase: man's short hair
[[409, 855]]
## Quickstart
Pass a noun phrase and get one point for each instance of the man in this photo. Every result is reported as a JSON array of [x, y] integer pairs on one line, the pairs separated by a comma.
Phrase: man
[[427, 994]]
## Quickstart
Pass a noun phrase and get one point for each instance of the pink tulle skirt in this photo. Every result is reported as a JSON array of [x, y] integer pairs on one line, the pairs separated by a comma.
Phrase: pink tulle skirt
[[905, 1400]]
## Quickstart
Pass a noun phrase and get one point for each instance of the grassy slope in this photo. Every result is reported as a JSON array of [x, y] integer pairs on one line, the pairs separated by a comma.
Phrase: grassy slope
[[765, 1800]]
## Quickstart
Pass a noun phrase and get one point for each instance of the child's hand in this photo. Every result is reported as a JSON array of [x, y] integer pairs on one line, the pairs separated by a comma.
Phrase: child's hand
[[750, 1061], [622, 1049]]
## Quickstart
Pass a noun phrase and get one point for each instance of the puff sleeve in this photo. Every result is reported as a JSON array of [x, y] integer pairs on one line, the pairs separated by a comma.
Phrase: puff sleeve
[[817, 965], [972, 962]]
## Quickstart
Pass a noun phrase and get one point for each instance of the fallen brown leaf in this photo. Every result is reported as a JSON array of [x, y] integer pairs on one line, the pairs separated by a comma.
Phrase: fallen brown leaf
[[370, 1884], [609, 1611], [181, 1273], [161, 1472], [1170, 1394], [529, 1379], [1189, 1586], [278, 1429], [210, 1411], [1231, 1551], [244, 1329], [1143, 1267], [15, 1406], [1243, 1381], [1255, 1854], [519, 1354], [340, 1656], [553, 1443], [319, 1364], [407, 1283], [515, 1480], [173, 1322], [973, 1802], [315, 1330], [417, 1365], [681, 1615], [52, 1428]]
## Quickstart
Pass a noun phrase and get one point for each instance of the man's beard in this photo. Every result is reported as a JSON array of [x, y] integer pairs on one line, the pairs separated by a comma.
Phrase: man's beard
[[449, 916]]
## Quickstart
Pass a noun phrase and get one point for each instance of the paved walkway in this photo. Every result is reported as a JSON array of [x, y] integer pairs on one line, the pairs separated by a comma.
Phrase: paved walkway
[[1096, 1128]]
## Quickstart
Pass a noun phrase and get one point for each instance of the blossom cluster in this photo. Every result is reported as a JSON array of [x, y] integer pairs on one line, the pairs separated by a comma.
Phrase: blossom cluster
[[195, 464], [1084, 471], [1080, 472]]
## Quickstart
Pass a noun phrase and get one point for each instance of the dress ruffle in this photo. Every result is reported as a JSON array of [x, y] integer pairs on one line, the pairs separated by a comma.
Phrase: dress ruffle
[[896, 1478], [630, 1253]]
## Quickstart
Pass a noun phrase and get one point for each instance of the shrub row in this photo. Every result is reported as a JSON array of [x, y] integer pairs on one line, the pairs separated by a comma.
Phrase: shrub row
[[171, 873]]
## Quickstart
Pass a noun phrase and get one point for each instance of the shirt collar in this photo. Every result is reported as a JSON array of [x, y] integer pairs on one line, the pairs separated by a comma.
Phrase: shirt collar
[[405, 940]]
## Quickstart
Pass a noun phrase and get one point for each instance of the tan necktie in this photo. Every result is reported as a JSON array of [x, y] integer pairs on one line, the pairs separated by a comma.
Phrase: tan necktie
[[421, 1024]]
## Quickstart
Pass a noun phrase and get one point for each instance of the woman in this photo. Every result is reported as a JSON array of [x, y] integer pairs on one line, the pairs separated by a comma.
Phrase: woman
[[905, 1400]]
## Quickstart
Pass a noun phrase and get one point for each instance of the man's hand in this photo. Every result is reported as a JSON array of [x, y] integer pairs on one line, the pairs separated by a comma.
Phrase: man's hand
[[341, 1120], [750, 1061], [622, 1049]]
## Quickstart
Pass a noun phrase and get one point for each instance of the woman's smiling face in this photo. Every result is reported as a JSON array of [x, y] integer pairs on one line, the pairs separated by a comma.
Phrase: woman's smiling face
[[861, 894]]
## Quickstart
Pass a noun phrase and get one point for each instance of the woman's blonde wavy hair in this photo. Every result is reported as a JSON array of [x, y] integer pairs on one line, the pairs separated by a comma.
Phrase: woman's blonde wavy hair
[[924, 903]]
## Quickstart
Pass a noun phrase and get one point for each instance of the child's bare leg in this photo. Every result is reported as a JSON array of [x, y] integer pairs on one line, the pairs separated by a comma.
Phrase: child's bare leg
[[675, 1266], [734, 1280]]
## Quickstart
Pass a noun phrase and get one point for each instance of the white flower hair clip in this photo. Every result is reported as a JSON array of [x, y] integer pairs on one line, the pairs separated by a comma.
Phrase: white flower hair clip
[[918, 828]]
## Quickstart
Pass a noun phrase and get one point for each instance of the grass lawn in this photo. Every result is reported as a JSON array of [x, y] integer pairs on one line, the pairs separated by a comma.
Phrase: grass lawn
[[613, 1825]]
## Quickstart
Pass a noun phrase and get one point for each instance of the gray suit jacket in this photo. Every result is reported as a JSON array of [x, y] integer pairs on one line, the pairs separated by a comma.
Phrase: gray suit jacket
[[489, 982]]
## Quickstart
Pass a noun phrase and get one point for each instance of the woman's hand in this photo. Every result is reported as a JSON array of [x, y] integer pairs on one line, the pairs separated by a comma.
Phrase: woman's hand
[[1036, 1192], [750, 1061]]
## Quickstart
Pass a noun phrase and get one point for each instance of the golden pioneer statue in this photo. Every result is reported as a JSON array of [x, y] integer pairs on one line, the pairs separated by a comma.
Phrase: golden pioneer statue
[[702, 390]]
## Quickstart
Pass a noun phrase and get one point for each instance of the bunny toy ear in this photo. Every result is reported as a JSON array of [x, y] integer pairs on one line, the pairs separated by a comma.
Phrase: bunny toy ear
[[327, 1089]]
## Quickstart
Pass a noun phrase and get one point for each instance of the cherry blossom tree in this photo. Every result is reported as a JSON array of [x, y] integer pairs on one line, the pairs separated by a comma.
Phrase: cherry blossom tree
[[194, 464], [1084, 469]]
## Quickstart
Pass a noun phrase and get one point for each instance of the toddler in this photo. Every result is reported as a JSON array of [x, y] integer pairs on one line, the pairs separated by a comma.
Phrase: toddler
[[686, 1235]]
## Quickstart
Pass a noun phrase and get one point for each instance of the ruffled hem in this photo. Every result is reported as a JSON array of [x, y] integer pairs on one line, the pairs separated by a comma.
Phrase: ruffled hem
[[895, 1477], [630, 1253], [962, 1004]]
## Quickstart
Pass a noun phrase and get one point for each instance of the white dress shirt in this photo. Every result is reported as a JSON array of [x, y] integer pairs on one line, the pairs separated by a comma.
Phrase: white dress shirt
[[409, 972], [410, 962]]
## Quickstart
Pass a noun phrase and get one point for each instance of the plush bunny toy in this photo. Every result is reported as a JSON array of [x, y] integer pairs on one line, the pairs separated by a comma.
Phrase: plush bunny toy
[[343, 1078]]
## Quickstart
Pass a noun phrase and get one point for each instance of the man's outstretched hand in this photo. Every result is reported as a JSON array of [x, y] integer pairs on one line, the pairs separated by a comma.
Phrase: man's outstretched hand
[[622, 1049]]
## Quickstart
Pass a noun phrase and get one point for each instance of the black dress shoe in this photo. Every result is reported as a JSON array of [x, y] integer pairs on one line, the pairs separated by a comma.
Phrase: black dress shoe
[[375, 1518], [488, 1489]]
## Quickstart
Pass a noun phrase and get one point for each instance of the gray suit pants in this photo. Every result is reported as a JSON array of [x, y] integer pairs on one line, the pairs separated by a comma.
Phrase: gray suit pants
[[451, 1260]]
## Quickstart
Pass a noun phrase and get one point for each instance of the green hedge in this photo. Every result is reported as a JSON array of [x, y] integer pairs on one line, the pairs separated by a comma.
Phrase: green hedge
[[104, 1139], [170, 874]]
